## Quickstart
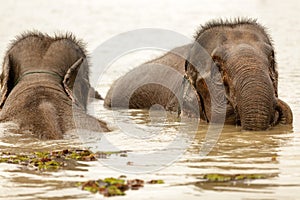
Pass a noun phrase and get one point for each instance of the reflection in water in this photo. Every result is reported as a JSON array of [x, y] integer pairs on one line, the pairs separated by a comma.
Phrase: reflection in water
[[240, 152]]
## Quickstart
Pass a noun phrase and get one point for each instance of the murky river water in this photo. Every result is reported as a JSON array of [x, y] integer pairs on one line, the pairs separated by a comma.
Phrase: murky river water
[[163, 154]]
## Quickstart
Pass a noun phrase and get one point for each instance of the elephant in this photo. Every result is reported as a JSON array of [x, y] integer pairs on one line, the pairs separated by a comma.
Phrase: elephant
[[230, 61], [45, 86]]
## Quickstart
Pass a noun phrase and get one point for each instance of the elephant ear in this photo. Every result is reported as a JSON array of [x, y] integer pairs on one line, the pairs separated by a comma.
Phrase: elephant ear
[[76, 83], [7, 80]]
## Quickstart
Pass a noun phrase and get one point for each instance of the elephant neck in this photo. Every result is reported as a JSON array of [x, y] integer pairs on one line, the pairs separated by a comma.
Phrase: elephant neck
[[38, 72]]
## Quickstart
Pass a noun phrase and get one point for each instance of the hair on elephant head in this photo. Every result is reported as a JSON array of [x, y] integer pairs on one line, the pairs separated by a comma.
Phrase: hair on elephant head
[[44, 81], [241, 52]]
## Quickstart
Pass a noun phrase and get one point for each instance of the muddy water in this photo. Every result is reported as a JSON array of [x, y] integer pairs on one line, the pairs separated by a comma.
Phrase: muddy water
[[159, 144]]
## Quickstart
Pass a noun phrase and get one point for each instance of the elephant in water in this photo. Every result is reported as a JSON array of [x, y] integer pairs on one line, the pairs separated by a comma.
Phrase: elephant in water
[[45, 86], [230, 61]]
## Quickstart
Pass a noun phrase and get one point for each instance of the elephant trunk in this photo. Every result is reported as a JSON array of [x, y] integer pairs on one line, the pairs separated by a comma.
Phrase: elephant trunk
[[255, 100]]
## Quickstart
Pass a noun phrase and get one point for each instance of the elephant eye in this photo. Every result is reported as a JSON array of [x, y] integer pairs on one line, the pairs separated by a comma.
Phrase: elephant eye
[[216, 73], [272, 55], [186, 65], [218, 65]]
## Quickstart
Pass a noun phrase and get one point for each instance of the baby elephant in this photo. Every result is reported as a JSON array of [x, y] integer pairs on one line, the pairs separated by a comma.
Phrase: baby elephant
[[45, 86], [230, 61]]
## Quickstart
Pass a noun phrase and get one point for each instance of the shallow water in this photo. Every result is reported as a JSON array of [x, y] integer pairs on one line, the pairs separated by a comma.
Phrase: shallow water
[[160, 147]]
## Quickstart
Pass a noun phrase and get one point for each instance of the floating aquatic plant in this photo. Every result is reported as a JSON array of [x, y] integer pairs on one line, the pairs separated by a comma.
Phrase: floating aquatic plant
[[231, 177], [114, 186], [156, 182], [53, 160], [109, 186]]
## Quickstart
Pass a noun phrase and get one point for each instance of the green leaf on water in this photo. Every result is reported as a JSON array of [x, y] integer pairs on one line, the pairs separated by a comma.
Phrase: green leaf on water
[[217, 177], [114, 186], [42, 154], [43, 161], [91, 189], [231, 177], [156, 182], [113, 181], [114, 191]]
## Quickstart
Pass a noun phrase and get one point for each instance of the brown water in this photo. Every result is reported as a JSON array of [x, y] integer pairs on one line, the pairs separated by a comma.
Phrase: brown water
[[274, 153]]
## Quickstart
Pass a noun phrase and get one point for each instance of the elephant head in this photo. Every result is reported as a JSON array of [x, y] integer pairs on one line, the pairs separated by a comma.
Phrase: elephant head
[[241, 58], [20, 61], [45, 83]]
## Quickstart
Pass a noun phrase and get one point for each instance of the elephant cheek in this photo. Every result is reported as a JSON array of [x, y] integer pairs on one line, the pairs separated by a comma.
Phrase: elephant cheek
[[191, 103], [204, 98]]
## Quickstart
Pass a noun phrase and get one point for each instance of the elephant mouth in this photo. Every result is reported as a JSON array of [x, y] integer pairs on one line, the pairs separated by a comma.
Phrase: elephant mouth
[[185, 98], [192, 104]]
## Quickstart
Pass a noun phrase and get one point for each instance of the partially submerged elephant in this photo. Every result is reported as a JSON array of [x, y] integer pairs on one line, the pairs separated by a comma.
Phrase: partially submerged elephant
[[229, 60], [45, 86]]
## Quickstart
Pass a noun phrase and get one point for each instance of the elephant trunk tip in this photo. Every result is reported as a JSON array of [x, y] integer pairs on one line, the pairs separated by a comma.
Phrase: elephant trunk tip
[[257, 119], [255, 125], [257, 114]]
